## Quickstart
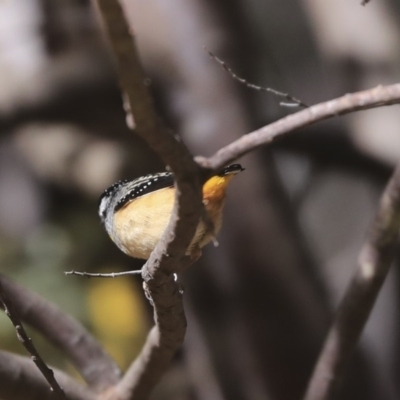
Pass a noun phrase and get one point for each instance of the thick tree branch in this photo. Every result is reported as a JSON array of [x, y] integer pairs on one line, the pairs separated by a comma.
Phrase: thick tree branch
[[96, 367], [374, 262], [168, 257], [20, 380], [377, 97]]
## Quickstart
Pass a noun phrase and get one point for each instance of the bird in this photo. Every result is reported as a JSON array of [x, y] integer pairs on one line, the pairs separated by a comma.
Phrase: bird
[[136, 213]]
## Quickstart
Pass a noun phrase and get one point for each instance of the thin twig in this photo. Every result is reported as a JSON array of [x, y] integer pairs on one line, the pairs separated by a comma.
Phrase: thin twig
[[64, 332], [291, 100], [101, 275], [372, 98], [374, 262], [29, 346]]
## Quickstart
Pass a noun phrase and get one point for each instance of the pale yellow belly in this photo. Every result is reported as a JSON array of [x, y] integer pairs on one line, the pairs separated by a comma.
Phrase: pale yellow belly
[[139, 226]]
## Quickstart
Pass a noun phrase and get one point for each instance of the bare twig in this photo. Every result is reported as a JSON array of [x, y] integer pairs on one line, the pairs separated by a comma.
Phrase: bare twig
[[21, 380], [372, 98], [374, 262], [101, 275], [29, 346], [291, 101], [96, 367], [167, 335]]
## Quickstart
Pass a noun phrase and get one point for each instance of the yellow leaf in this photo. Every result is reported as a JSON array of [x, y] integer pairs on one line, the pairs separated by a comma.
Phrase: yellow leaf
[[116, 311]]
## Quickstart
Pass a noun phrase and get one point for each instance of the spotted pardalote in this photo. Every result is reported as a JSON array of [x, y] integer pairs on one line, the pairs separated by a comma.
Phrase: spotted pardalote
[[135, 213]]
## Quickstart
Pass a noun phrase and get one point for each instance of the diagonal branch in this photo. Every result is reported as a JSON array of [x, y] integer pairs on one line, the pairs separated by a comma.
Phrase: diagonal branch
[[97, 368], [26, 341], [374, 262], [168, 257], [20, 380], [377, 97]]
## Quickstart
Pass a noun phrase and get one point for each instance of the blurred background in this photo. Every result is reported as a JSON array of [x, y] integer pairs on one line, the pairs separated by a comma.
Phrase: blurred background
[[260, 304]]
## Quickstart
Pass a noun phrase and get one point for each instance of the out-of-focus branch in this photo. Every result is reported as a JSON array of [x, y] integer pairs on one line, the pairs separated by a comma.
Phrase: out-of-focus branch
[[374, 262], [96, 367], [372, 98], [200, 363], [167, 335], [20, 380], [29, 346]]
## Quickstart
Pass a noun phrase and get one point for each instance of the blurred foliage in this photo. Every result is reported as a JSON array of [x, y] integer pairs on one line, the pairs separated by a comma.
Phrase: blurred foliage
[[117, 316]]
